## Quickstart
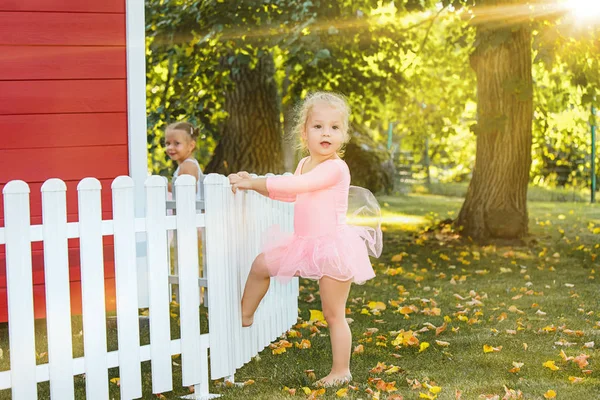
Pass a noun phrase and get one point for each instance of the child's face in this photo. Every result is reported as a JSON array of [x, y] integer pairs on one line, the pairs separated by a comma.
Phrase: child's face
[[323, 132], [179, 144]]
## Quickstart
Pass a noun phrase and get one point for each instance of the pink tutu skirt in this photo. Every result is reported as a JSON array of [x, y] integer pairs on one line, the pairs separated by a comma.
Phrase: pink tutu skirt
[[343, 255]]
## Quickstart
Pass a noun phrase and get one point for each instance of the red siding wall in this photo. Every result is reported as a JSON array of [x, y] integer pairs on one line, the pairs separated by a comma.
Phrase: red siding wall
[[63, 112]]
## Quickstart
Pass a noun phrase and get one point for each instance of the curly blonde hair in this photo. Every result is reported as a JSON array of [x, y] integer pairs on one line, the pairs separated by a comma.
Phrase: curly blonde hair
[[303, 110]]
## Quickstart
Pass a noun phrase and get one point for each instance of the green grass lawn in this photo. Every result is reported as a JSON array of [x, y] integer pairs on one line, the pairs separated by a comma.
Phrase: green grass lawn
[[527, 304]]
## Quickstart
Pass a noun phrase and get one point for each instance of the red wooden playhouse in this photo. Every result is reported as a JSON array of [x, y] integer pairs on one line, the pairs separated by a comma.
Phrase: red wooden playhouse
[[72, 105]]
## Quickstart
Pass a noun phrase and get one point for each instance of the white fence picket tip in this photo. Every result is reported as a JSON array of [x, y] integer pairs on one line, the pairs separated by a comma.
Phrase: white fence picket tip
[[185, 180], [215, 179], [155, 181], [16, 187], [89, 184], [54, 185], [122, 182]]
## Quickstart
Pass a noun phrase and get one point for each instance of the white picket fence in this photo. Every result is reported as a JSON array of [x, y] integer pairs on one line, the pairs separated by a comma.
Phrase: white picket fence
[[234, 227]]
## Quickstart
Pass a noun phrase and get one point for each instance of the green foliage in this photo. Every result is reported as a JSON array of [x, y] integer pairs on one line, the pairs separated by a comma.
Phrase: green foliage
[[567, 80], [406, 62]]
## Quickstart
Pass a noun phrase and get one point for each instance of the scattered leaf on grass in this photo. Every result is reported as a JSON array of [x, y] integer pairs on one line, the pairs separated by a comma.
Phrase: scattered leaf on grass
[[551, 365], [550, 394]]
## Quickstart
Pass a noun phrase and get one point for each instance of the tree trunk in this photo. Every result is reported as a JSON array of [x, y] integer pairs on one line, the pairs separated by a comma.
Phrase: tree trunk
[[251, 134], [288, 143], [496, 203]]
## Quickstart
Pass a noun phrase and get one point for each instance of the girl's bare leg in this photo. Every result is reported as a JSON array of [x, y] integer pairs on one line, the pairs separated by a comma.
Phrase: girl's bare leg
[[256, 287], [334, 295]]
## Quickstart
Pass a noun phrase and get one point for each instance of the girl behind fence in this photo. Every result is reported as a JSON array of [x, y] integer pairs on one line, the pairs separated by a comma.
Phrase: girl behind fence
[[180, 144]]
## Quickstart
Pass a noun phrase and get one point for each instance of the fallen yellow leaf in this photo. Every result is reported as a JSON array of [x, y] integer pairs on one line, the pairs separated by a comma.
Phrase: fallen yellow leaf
[[581, 360], [359, 349], [489, 349], [405, 339], [392, 369], [310, 373], [292, 333], [397, 257], [423, 347], [316, 315], [406, 310], [440, 329], [550, 394], [380, 367], [550, 365], [342, 392], [435, 389], [377, 305], [304, 344]]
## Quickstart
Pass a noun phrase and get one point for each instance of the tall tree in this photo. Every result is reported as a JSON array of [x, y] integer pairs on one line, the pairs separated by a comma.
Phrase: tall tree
[[251, 135], [218, 66], [496, 201]]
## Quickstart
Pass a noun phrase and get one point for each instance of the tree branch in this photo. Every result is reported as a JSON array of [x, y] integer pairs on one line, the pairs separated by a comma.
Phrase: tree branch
[[424, 42]]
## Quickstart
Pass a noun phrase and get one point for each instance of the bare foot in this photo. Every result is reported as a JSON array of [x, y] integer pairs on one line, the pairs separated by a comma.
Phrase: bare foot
[[332, 380], [247, 321]]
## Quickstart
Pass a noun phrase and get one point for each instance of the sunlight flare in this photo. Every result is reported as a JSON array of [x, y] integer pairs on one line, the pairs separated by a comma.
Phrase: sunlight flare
[[584, 9]]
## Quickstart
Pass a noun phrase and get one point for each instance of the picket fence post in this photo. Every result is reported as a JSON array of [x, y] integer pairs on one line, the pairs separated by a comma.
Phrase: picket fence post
[[187, 251], [218, 316], [158, 275], [19, 279], [92, 289], [126, 282], [58, 299]]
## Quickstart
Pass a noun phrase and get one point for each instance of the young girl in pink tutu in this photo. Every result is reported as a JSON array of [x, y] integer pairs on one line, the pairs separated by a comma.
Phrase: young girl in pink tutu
[[323, 246]]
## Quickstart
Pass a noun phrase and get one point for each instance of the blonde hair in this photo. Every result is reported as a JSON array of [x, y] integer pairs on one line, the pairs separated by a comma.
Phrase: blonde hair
[[186, 127], [303, 110]]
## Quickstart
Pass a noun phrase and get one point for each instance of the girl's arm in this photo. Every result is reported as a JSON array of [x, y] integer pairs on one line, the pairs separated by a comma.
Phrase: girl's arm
[[325, 175], [258, 185], [285, 188], [188, 168]]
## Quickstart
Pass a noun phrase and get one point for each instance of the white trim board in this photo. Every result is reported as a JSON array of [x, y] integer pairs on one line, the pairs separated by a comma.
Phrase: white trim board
[[136, 97], [136, 126]]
